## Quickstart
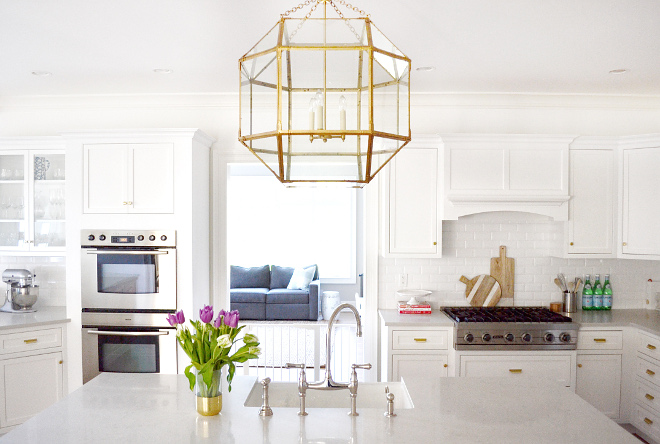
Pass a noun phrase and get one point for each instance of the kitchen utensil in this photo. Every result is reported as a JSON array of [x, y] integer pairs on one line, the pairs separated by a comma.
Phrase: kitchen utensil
[[21, 293], [502, 268], [578, 284], [558, 283], [482, 290], [571, 286], [562, 280]]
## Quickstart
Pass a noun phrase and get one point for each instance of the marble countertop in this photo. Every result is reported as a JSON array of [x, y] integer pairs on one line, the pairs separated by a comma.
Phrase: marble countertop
[[43, 316], [148, 408], [436, 319]]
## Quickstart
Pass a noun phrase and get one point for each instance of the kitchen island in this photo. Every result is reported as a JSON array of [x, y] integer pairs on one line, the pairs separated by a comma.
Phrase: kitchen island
[[132, 408]]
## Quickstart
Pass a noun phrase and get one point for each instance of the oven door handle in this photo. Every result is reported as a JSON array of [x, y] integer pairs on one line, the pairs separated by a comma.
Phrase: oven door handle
[[130, 333], [135, 252]]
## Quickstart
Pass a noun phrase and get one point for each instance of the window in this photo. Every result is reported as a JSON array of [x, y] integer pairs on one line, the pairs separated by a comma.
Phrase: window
[[269, 223]]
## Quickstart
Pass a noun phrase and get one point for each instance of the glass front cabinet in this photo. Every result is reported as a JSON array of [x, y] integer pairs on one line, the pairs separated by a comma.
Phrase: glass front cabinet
[[32, 201]]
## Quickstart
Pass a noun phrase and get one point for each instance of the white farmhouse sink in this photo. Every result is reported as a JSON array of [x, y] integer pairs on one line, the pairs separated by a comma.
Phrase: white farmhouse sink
[[371, 395]]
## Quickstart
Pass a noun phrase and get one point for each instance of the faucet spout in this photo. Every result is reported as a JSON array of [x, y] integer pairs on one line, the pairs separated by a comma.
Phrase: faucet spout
[[328, 372]]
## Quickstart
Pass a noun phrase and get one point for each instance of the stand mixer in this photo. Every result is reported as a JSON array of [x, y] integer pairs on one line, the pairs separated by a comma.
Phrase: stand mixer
[[21, 294]]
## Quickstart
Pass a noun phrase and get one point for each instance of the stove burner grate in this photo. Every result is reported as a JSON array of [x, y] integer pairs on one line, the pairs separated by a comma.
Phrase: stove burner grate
[[505, 314]]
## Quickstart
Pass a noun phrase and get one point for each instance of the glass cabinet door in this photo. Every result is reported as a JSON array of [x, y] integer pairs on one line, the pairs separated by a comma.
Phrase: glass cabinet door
[[48, 199], [13, 200]]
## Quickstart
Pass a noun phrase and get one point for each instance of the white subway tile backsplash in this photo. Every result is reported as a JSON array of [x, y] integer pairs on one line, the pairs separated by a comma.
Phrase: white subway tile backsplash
[[469, 243]]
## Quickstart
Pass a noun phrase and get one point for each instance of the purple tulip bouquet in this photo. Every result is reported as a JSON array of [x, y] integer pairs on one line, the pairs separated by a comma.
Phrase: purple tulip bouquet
[[209, 347]]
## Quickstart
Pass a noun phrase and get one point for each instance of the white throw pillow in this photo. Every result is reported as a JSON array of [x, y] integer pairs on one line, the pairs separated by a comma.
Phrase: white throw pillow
[[301, 278]]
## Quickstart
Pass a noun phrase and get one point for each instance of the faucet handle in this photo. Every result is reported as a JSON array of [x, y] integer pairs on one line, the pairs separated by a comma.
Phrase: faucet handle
[[362, 366], [290, 365]]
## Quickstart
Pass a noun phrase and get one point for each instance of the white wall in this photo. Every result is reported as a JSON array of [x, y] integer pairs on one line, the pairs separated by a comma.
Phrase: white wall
[[470, 242]]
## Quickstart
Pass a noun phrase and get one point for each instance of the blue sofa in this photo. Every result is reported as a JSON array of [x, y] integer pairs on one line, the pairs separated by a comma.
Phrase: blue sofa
[[260, 293]]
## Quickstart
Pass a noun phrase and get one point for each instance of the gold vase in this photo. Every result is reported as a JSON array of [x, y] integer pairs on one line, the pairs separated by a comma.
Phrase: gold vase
[[209, 397], [209, 406]]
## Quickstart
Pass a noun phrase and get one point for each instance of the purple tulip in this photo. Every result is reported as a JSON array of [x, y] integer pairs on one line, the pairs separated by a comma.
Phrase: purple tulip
[[231, 319], [206, 314], [176, 318], [218, 322]]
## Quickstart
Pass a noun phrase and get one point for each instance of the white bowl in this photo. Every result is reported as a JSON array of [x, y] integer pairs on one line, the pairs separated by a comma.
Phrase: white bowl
[[412, 296]]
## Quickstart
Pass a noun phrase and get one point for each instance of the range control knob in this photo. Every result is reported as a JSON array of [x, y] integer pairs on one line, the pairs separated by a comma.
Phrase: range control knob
[[549, 337], [102, 237], [163, 238], [140, 237], [565, 337], [468, 337], [91, 237], [152, 238], [509, 337], [526, 337], [486, 337]]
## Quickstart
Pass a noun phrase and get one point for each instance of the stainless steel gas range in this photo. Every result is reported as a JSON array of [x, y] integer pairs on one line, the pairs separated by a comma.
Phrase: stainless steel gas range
[[511, 328]]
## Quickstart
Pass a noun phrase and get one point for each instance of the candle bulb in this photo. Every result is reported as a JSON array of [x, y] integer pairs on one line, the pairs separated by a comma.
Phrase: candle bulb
[[312, 105], [342, 113], [318, 110]]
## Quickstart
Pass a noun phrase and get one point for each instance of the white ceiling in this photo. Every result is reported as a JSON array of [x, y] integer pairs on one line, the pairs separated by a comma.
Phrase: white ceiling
[[517, 46]]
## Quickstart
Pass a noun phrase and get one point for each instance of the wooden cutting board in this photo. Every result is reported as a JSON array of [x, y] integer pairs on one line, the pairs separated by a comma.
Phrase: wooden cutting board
[[482, 290], [503, 269]]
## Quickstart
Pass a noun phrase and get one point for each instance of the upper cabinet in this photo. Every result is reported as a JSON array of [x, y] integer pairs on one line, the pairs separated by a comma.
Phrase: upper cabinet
[[32, 196], [640, 199], [412, 219], [128, 178], [590, 231], [486, 172]]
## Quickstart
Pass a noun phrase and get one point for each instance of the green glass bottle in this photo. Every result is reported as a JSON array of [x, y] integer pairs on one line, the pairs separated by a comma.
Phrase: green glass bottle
[[587, 294], [598, 294], [607, 293]]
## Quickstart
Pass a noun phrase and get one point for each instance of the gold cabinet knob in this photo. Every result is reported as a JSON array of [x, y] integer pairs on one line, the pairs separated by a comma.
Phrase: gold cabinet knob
[[625, 244], [445, 366], [435, 243], [571, 244], [579, 365]]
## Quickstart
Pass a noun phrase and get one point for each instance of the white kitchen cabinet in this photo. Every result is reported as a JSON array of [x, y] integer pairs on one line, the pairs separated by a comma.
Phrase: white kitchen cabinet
[[129, 178], [640, 199], [592, 215], [32, 198], [505, 172], [646, 411], [415, 352], [412, 221], [32, 371], [30, 384], [553, 366], [599, 361]]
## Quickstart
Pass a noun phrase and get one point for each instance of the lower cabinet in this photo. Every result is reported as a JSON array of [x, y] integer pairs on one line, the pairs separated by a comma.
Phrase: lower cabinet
[[418, 366], [553, 366], [646, 411], [598, 379], [31, 373]]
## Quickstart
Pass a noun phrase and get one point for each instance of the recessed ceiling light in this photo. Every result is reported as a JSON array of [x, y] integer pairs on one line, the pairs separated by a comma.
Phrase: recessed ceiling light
[[618, 71], [162, 71], [41, 73], [425, 68]]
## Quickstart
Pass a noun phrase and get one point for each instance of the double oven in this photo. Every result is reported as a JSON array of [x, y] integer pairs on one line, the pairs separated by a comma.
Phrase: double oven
[[128, 284]]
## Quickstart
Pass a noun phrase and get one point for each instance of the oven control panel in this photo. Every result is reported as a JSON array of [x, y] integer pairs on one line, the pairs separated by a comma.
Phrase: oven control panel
[[126, 238], [517, 336]]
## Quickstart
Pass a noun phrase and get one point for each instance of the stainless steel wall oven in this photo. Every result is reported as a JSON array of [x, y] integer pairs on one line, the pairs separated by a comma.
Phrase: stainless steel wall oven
[[128, 288]]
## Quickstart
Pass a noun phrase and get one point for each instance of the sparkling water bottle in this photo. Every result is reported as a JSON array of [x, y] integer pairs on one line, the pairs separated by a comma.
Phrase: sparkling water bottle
[[587, 294], [598, 294], [607, 293]]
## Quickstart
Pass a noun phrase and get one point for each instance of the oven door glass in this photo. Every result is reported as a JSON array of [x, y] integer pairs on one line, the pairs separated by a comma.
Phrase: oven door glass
[[129, 354], [127, 273]]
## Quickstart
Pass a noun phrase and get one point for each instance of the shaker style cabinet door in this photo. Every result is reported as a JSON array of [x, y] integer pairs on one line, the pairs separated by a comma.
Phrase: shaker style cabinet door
[[598, 382], [641, 201], [412, 218], [591, 208], [129, 178]]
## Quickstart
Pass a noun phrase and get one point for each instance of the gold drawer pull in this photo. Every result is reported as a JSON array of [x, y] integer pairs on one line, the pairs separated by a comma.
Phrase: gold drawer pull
[[649, 397], [650, 372], [650, 347], [600, 340], [648, 421], [515, 370], [30, 341], [420, 339]]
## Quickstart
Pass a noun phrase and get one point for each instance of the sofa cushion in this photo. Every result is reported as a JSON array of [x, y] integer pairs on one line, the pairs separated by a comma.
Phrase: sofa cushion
[[252, 295], [253, 277], [286, 296], [301, 278], [280, 276]]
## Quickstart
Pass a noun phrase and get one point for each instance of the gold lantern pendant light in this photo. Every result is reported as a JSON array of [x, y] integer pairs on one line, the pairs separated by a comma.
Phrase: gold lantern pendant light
[[324, 99]]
